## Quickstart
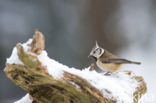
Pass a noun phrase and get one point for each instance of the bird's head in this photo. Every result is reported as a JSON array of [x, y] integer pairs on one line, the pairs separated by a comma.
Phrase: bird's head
[[96, 52]]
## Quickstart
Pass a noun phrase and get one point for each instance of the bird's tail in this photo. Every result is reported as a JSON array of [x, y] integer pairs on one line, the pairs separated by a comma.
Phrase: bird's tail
[[133, 62]]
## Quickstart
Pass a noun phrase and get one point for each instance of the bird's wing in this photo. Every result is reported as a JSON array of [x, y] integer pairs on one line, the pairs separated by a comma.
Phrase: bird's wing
[[118, 61], [108, 55]]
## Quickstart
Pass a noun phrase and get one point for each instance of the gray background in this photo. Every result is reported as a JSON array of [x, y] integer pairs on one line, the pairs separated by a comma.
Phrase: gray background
[[71, 27]]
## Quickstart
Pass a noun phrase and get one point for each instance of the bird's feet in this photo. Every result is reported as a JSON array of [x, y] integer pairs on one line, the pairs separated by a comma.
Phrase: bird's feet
[[108, 73]]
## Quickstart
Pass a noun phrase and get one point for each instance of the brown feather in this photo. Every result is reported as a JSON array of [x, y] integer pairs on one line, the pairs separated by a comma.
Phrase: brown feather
[[108, 57]]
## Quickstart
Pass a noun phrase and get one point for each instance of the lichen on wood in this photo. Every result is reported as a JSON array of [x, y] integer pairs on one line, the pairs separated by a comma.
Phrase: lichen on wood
[[44, 88]]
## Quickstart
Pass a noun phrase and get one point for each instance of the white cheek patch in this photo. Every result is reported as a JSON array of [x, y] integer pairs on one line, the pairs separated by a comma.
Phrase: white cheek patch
[[102, 51]]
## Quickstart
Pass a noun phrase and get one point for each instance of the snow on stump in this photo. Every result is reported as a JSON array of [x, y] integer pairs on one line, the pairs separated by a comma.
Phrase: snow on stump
[[48, 81]]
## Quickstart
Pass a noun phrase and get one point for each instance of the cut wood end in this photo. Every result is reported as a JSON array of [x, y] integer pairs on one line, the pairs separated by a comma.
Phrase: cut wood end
[[38, 42]]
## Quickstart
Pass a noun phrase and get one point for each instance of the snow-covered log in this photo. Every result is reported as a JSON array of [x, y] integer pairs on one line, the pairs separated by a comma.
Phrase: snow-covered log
[[48, 81]]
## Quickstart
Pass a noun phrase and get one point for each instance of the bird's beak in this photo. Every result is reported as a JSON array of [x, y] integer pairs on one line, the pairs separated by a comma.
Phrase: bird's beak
[[91, 56]]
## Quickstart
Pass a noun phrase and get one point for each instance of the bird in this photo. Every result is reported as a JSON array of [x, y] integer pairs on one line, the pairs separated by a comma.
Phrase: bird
[[107, 61]]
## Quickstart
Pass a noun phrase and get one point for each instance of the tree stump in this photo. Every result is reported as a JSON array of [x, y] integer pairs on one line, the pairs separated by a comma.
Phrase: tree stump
[[34, 77]]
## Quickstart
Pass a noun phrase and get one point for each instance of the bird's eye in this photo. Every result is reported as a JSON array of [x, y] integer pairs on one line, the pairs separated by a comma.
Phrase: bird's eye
[[94, 52]]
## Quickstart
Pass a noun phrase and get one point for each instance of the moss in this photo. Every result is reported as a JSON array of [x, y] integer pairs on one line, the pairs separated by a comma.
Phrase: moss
[[28, 59]]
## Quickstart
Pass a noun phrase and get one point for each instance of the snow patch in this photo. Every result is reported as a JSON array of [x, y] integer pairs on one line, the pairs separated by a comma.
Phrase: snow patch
[[74, 84], [54, 68], [25, 99], [120, 85], [14, 59]]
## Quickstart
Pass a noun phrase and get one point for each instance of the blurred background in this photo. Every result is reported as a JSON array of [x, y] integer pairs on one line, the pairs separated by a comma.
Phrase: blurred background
[[71, 27]]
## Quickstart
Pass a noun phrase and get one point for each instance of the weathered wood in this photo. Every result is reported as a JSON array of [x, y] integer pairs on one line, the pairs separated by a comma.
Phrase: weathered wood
[[38, 47], [43, 88]]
